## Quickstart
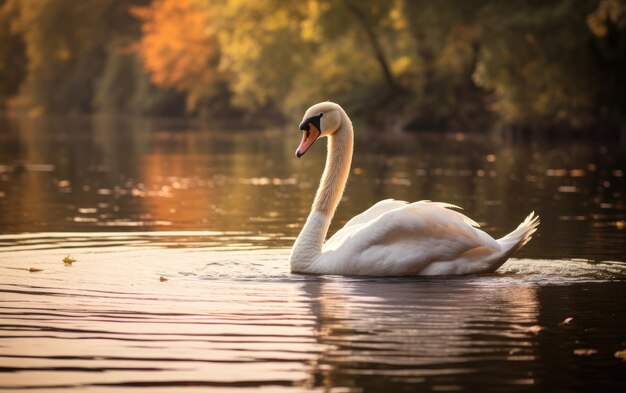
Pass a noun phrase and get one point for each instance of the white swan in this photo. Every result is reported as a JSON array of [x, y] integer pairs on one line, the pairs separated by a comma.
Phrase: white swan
[[392, 238]]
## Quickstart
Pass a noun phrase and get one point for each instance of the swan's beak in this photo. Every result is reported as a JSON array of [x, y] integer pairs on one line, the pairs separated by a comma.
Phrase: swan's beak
[[310, 132]]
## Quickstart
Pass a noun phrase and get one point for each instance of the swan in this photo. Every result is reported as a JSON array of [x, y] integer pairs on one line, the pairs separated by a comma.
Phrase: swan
[[392, 238]]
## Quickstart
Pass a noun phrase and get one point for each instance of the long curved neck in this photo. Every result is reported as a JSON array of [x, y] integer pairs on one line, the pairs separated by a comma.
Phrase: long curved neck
[[308, 245]]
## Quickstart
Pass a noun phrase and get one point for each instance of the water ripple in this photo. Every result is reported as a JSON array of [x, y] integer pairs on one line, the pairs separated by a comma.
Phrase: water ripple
[[238, 320]]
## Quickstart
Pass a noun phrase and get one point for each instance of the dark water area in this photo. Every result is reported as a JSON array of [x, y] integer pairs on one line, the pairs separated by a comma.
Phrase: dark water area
[[181, 235]]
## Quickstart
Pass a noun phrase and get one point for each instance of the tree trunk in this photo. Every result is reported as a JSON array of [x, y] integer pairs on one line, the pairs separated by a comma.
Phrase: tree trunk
[[375, 45]]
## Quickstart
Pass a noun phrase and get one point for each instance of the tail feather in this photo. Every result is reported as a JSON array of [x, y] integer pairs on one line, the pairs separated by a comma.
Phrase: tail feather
[[520, 236]]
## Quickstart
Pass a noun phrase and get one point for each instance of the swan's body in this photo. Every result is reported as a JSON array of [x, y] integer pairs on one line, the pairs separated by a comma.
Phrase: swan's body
[[392, 238]]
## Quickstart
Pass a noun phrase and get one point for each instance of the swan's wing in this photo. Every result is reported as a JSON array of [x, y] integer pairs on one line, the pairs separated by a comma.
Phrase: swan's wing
[[418, 238], [370, 214], [375, 211]]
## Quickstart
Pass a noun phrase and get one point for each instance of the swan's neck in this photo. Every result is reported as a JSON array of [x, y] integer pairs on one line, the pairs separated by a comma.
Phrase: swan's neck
[[308, 245]]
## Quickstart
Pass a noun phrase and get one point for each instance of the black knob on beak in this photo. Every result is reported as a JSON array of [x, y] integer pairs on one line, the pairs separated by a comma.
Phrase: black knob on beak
[[304, 126], [315, 120]]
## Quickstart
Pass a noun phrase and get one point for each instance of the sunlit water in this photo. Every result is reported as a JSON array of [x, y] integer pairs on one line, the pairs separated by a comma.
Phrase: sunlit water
[[181, 237]]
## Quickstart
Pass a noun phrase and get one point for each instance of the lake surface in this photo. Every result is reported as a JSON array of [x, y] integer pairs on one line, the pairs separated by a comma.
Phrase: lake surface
[[181, 235]]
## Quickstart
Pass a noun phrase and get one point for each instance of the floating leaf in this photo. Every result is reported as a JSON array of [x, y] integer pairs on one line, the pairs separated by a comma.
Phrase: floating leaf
[[68, 260]]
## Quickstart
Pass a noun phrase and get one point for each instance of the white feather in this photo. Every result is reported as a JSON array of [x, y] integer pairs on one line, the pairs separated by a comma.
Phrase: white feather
[[394, 238]]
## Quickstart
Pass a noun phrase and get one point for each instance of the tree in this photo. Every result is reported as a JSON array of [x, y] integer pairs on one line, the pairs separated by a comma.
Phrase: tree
[[66, 46], [290, 54], [607, 22], [179, 47], [12, 53], [537, 62]]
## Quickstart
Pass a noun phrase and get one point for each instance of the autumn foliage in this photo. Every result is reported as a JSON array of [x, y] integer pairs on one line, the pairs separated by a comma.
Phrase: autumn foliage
[[410, 64], [178, 45]]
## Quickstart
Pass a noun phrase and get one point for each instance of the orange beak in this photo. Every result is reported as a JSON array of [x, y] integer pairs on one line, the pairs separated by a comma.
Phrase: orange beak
[[308, 137], [310, 132]]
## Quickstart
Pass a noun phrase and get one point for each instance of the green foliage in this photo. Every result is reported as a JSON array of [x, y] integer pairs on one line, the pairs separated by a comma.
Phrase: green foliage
[[125, 87], [289, 54], [536, 62], [412, 63], [80, 58], [608, 47], [66, 43], [262, 49], [12, 54]]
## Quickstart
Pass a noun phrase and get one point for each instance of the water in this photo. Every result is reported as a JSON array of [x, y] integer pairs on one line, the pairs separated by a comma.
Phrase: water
[[181, 235]]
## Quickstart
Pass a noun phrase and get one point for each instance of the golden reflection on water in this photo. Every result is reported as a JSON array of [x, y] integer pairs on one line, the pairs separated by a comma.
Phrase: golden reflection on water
[[100, 173], [213, 213]]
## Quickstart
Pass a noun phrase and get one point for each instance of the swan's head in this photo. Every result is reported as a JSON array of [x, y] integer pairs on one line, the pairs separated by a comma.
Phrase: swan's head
[[320, 120]]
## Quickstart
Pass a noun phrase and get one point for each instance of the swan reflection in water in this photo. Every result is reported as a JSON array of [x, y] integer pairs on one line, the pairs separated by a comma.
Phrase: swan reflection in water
[[444, 333]]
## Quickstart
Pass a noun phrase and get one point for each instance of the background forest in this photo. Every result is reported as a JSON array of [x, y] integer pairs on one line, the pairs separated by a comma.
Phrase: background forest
[[407, 64]]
